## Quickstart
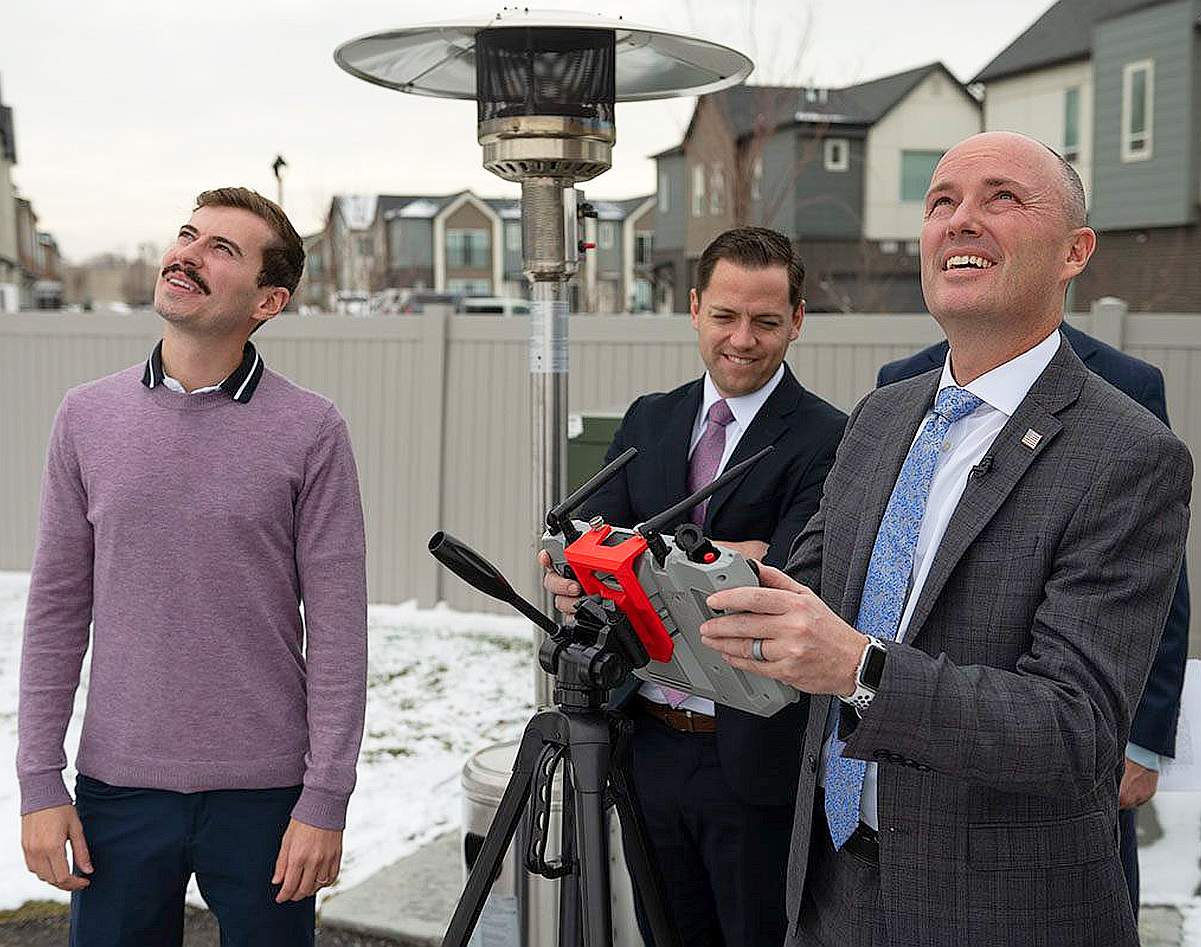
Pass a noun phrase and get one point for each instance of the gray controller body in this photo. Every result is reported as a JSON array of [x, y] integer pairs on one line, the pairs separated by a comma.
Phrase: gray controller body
[[678, 590]]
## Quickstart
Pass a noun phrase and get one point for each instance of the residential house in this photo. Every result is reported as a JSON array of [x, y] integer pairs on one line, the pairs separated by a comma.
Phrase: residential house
[[618, 271], [1115, 86], [317, 283], [47, 288], [30, 264], [461, 243], [10, 272], [843, 172], [356, 250], [99, 283]]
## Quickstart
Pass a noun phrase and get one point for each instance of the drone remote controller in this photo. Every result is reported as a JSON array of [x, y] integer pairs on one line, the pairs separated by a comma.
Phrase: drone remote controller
[[661, 584]]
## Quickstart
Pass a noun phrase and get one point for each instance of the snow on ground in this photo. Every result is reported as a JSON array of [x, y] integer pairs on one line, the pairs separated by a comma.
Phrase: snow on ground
[[1170, 868], [441, 685]]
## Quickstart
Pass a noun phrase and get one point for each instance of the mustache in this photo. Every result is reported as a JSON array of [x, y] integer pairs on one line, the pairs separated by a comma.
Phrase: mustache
[[190, 274]]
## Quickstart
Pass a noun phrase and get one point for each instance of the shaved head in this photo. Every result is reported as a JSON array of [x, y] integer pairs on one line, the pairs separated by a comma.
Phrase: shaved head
[[1074, 205], [1044, 158], [1004, 235]]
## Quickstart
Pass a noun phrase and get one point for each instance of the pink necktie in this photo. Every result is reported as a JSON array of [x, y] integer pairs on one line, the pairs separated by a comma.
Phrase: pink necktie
[[702, 468], [706, 456]]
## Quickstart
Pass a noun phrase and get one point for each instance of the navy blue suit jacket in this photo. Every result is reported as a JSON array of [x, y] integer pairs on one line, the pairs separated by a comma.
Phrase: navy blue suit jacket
[[760, 757], [1154, 724]]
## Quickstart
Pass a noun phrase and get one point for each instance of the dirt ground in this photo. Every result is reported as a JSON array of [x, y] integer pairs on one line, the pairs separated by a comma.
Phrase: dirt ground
[[45, 925]]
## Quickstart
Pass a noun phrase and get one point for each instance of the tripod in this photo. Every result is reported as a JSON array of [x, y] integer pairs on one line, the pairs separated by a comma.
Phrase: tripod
[[589, 659]]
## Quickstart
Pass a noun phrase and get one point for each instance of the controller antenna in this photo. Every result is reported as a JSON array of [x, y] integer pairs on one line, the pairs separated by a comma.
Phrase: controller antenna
[[650, 530], [558, 520]]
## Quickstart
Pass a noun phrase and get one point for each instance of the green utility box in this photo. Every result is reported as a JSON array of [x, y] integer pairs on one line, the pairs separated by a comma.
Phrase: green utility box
[[588, 437]]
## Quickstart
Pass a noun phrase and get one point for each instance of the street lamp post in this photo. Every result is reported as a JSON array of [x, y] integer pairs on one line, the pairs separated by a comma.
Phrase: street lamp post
[[278, 166]]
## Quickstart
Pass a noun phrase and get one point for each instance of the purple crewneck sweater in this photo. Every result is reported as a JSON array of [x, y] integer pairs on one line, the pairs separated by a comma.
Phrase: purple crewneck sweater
[[187, 529]]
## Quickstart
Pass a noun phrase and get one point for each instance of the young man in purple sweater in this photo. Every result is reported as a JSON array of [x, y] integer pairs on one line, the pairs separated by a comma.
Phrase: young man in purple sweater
[[190, 505]]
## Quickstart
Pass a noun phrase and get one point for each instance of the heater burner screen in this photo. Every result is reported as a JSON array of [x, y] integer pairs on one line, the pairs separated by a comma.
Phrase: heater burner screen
[[524, 71]]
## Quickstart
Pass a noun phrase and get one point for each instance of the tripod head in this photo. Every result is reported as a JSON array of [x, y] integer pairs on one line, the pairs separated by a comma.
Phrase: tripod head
[[588, 658]]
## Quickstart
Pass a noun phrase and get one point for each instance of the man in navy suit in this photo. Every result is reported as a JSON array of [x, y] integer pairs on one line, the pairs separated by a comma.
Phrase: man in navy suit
[[1153, 730], [717, 786]]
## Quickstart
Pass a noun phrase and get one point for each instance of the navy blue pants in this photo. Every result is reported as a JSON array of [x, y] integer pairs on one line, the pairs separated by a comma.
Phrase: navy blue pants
[[146, 844], [723, 861]]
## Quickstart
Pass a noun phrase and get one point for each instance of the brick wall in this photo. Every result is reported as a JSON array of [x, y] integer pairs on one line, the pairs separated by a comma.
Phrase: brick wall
[[1155, 270]]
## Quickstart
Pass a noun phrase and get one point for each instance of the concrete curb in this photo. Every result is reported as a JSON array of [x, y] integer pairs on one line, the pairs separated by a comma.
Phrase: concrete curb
[[410, 901]]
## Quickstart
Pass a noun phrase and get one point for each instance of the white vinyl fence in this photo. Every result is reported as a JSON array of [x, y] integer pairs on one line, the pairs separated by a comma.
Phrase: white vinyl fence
[[438, 407]]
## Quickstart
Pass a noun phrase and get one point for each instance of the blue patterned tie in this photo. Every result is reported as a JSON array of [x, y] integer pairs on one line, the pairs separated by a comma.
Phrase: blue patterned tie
[[887, 583]]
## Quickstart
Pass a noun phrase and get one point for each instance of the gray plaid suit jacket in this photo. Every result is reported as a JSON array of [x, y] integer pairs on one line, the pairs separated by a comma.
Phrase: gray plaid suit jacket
[[1001, 721]]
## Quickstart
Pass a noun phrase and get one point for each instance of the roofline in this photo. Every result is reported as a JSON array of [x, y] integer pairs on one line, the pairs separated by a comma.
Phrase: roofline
[[938, 65], [648, 202], [1009, 74]]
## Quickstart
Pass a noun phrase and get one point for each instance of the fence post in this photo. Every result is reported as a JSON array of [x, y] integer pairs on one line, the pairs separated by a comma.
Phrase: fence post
[[431, 448], [1109, 320]]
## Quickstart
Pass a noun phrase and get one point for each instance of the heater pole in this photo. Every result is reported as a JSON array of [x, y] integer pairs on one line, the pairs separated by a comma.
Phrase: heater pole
[[548, 227]]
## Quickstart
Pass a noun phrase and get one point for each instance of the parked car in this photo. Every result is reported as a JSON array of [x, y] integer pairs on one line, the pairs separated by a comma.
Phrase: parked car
[[417, 300], [495, 306]]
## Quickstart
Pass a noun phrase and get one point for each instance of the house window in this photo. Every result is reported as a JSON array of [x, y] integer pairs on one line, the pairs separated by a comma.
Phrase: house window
[[1138, 106], [664, 192], [1071, 123], [513, 237], [643, 298], [467, 249], [698, 190], [644, 241], [469, 287], [717, 190], [606, 233], [838, 155], [917, 168], [757, 179]]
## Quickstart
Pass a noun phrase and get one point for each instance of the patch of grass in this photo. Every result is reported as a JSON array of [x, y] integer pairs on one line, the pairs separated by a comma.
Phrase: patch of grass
[[387, 677], [505, 643], [392, 751], [35, 911]]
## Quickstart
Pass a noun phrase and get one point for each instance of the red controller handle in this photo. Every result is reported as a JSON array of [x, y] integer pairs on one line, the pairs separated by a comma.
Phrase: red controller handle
[[588, 557]]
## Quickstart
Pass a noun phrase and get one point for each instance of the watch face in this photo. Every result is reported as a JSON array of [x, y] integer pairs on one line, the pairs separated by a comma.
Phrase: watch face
[[873, 666]]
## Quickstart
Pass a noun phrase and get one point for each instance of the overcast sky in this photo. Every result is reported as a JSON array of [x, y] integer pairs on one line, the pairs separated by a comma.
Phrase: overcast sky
[[125, 109]]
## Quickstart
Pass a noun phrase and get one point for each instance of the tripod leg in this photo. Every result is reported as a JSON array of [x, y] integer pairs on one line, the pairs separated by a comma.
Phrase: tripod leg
[[496, 843], [640, 857], [570, 934], [589, 753]]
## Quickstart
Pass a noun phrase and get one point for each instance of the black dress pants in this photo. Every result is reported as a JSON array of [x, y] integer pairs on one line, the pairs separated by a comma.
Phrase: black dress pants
[[724, 862]]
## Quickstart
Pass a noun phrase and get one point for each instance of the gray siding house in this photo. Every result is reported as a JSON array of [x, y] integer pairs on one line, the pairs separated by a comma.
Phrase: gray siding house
[[837, 170], [1138, 62]]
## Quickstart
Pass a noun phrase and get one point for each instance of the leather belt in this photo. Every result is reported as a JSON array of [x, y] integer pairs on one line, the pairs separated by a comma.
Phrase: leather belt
[[864, 844], [684, 721]]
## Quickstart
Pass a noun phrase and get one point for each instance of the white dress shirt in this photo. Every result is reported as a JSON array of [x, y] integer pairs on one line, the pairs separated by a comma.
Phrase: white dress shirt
[[178, 387], [744, 408], [968, 440]]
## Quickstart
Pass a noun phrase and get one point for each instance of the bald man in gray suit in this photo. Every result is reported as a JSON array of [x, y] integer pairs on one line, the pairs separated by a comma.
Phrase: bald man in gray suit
[[977, 602]]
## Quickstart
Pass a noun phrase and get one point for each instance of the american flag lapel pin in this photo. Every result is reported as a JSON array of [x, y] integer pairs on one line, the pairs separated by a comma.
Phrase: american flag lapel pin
[[1031, 438]]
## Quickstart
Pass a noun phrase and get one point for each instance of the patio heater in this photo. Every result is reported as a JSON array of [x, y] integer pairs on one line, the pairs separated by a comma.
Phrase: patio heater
[[545, 84]]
